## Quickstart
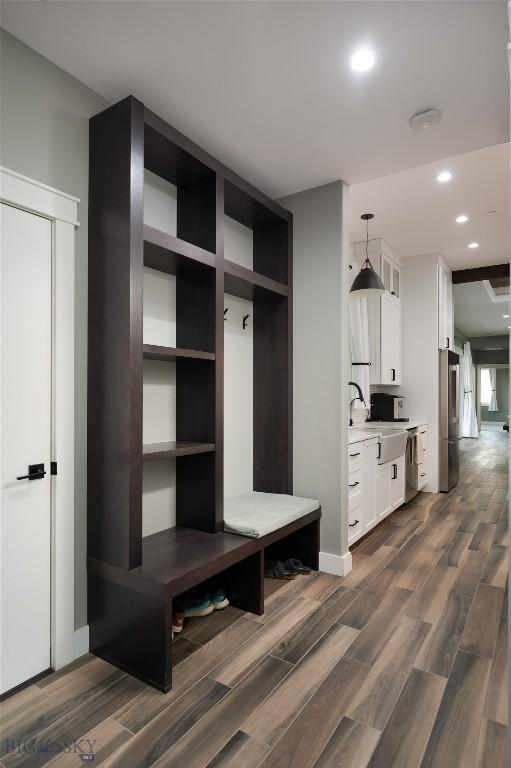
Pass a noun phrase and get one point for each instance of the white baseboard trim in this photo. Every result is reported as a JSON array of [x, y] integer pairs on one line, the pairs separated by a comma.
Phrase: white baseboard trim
[[338, 565], [81, 641]]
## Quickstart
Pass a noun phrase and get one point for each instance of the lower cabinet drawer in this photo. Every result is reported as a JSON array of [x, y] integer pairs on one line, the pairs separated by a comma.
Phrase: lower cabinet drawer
[[354, 523], [354, 483], [355, 457]]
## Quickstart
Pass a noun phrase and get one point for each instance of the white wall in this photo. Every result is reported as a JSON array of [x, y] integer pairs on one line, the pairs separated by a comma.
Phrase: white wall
[[45, 135], [321, 355], [238, 371]]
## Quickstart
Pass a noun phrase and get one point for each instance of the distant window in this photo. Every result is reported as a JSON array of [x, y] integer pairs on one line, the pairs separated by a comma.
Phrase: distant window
[[485, 387]]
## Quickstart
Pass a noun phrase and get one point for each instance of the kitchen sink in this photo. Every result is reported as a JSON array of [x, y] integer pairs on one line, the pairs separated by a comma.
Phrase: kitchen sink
[[392, 444]]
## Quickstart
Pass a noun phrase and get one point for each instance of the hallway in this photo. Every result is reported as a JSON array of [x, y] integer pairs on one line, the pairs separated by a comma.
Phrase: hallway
[[401, 663]]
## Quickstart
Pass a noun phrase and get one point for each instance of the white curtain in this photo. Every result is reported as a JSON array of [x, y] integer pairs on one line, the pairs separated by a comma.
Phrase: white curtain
[[492, 406], [467, 387], [359, 346]]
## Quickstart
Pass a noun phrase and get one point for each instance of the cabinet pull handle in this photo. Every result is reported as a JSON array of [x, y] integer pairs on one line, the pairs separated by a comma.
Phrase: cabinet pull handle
[[393, 371], [392, 293], [447, 340], [352, 455], [354, 485], [378, 456], [352, 525], [423, 474], [394, 470]]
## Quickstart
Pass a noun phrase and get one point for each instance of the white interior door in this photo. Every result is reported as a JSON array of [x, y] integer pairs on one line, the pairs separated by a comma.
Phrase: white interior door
[[26, 289]]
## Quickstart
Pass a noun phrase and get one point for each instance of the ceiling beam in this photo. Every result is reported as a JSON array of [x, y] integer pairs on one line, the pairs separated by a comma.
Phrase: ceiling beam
[[480, 273]]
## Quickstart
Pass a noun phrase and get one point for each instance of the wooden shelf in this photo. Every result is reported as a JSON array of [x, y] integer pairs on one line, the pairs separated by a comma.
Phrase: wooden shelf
[[154, 451], [168, 253], [169, 354], [243, 282]]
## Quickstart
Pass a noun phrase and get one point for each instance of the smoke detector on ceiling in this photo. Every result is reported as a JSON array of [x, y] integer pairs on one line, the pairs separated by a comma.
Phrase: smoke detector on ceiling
[[423, 120]]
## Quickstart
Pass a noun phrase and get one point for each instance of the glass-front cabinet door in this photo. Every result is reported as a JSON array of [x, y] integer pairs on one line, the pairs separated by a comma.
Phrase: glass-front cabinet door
[[386, 273], [396, 286]]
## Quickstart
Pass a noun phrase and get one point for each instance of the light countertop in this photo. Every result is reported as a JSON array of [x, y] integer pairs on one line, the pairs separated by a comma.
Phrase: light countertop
[[367, 430], [412, 424]]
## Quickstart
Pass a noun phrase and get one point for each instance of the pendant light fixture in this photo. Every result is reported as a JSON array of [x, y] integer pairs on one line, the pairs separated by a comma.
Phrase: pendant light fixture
[[367, 282]]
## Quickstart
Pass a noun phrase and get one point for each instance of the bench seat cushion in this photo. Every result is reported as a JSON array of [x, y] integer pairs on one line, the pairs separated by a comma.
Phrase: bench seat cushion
[[256, 514]]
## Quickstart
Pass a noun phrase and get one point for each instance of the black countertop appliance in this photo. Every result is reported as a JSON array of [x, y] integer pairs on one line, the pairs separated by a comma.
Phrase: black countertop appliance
[[385, 407]]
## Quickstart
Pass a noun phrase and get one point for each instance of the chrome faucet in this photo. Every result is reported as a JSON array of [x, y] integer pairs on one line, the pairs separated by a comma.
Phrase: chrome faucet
[[360, 397]]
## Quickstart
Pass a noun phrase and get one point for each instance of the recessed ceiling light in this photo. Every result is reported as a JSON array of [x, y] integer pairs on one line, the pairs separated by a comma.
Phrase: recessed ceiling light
[[362, 59], [505, 317], [473, 245], [444, 176], [461, 219]]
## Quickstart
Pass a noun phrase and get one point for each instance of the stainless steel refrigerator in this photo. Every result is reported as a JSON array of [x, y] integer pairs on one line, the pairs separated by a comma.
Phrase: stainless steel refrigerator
[[449, 419]]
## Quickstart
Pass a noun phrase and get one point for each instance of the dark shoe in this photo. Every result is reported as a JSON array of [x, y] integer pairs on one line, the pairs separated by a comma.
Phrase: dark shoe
[[297, 566], [276, 570]]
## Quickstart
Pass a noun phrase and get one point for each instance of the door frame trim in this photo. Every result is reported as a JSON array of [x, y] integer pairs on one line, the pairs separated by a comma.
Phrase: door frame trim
[[62, 210]]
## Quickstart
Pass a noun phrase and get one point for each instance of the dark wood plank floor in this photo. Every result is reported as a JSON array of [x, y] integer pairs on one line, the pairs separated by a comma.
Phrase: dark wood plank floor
[[403, 663]]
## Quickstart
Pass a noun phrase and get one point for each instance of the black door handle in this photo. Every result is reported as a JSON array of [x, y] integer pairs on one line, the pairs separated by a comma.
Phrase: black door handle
[[351, 525], [352, 455], [354, 485], [394, 469], [393, 374], [35, 472]]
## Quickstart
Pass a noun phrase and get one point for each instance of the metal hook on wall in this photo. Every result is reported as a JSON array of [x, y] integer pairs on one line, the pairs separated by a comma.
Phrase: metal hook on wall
[[225, 313], [245, 318]]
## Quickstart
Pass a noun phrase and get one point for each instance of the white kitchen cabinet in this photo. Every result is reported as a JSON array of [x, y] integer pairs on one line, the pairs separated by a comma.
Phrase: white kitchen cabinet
[[445, 309], [383, 497], [422, 447], [390, 486], [384, 313], [390, 341], [362, 488], [397, 482]]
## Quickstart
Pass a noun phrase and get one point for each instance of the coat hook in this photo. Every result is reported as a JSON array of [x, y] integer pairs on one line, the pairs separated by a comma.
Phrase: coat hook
[[225, 313], [245, 318]]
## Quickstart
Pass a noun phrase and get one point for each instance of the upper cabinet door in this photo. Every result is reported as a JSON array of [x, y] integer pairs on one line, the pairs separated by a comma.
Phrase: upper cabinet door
[[445, 310], [396, 281], [386, 273], [449, 312], [390, 340], [390, 275]]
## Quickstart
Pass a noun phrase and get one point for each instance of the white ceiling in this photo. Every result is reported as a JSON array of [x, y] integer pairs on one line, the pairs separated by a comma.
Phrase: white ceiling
[[267, 87], [416, 214], [475, 314]]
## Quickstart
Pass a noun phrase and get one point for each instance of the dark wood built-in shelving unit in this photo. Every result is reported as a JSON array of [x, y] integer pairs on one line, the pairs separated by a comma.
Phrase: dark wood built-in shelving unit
[[133, 580]]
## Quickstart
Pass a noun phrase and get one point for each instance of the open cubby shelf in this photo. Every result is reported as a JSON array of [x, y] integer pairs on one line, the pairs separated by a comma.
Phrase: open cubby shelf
[[155, 451], [170, 254], [247, 284], [132, 580], [170, 354]]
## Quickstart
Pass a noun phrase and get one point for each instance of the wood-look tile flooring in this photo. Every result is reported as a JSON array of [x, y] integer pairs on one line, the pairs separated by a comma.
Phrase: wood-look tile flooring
[[403, 663]]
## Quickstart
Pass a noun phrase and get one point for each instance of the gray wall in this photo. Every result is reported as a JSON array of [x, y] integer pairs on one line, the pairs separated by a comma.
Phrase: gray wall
[[502, 398], [44, 136], [484, 356], [320, 346]]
